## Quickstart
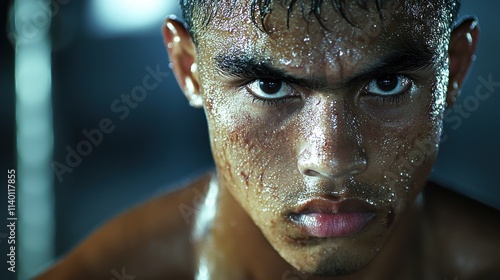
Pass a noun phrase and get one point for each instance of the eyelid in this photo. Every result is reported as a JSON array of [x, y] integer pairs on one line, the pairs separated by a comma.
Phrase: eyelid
[[403, 81], [417, 74], [253, 86], [248, 79], [381, 100]]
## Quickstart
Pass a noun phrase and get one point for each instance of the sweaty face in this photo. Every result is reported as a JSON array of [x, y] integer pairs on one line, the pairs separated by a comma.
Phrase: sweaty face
[[325, 136]]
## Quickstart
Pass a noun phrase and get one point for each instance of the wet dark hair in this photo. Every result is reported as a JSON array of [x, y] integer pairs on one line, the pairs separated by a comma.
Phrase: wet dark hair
[[197, 13]]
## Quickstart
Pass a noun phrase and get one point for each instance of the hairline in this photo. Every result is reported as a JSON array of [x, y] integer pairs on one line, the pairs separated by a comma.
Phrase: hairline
[[259, 9]]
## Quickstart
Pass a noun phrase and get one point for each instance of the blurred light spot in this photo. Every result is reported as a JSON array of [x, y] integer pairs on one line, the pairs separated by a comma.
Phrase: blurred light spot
[[34, 135], [33, 82], [116, 17]]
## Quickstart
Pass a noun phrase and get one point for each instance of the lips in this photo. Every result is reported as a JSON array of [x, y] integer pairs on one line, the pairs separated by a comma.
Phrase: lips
[[325, 218]]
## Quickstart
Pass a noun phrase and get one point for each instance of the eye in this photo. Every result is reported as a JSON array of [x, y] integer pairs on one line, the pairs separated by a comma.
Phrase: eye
[[269, 89], [388, 85]]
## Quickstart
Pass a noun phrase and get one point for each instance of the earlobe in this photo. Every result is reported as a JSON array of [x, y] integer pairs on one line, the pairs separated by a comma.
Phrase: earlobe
[[182, 55], [463, 43]]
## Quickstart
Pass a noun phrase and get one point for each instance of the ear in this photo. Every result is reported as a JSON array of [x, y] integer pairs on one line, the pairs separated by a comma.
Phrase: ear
[[182, 54], [463, 43]]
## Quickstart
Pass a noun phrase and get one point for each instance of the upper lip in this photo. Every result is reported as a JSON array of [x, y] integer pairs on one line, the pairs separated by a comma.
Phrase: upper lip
[[329, 206]]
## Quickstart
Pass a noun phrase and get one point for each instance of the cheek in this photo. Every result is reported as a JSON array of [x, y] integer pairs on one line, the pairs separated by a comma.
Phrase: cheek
[[255, 157], [401, 154], [243, 148], [247, 146]]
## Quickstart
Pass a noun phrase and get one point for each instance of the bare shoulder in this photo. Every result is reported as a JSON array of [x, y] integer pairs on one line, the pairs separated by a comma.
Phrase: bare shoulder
[[150, 241], [463, 235]]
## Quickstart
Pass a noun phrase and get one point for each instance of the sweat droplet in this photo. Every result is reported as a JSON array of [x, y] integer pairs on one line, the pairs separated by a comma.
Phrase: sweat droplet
[[285, 61]]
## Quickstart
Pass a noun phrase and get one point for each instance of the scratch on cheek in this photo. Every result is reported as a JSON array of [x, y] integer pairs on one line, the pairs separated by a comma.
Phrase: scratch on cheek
[[245, 177], [240, 135]]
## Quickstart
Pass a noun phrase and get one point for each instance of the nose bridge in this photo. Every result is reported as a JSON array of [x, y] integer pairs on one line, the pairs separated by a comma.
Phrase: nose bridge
[[331, 147]]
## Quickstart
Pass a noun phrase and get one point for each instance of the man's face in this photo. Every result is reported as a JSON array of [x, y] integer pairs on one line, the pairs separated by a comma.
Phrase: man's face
[[325, 136]]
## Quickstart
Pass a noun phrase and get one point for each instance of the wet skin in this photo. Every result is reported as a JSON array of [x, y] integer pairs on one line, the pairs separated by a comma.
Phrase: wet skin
[[328, 136], [323, 139], [323, 128]]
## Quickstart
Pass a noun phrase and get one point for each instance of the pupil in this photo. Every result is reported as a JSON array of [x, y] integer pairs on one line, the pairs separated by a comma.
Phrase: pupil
[[387, 83], [270, 86]]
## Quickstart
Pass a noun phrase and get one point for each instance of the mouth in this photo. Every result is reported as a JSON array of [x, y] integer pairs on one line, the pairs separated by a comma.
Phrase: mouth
[[325, 218]]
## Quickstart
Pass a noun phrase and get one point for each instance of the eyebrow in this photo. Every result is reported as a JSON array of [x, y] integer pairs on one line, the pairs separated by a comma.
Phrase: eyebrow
[[405, 57], [250, 67]]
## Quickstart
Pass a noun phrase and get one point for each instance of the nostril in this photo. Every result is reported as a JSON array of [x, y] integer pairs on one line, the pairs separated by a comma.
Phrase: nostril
[[310, 172], [359, 166]]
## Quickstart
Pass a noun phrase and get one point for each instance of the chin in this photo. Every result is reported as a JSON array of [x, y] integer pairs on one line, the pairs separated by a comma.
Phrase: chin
[[334, 265], [330, 257], [339, 267]]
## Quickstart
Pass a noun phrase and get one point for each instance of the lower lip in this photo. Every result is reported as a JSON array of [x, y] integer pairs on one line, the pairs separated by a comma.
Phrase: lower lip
[[333, 225]]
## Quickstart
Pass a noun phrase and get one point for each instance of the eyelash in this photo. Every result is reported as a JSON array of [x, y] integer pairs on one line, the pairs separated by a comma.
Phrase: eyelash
[[393, 99], [268, 102]]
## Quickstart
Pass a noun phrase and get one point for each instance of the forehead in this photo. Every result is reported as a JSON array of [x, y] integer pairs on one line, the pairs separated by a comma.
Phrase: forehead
[[334, 40]]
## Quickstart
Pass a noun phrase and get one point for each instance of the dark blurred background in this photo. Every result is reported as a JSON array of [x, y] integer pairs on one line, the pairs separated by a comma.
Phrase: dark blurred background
[[101, 49]]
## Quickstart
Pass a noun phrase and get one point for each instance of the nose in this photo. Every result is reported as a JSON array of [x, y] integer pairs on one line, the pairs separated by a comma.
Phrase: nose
[[330, 145]]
